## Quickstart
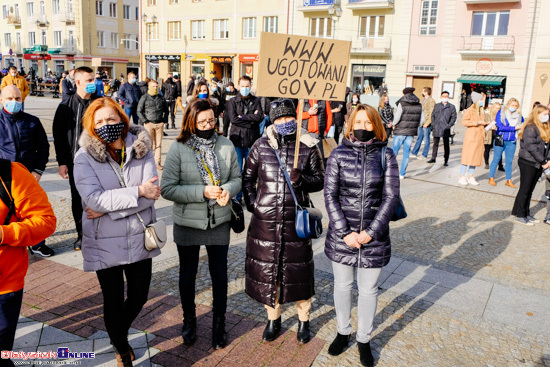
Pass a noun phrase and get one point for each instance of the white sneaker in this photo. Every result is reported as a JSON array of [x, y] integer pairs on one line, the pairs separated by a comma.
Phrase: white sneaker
[[420, 157], [401, 177], [472, 181], [462, 181]]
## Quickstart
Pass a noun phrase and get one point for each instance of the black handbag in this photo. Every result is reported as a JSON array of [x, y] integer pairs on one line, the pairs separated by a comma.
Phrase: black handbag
[[399, 212], [499, 140], [308, 223], [237, 216]]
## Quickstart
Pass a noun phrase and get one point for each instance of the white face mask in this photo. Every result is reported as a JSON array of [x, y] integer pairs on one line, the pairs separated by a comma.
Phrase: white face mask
[[444, 100], [355, 100], [543, 118], [13, 74]]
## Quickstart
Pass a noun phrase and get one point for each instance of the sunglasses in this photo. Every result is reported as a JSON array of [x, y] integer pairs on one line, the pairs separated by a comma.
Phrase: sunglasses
[[285, 103]]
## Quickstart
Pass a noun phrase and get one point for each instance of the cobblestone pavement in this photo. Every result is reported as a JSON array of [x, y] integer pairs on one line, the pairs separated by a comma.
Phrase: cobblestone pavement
[[467, 286]]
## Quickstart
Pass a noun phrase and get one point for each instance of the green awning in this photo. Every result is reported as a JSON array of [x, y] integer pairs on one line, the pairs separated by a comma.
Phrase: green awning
[[481, 79], [54, 51]]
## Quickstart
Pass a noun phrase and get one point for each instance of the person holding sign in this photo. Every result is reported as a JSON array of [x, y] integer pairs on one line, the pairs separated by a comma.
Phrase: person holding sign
[[279, 264]]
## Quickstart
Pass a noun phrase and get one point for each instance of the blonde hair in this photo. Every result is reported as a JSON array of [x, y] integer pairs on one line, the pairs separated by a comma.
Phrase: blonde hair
[[510, 101], [374, 118], [494, 110], [533, 119]]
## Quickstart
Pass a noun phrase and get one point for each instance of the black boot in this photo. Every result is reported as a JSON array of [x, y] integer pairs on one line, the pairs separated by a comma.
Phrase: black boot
[[365, 354], [219, 336], [189, 330], [272, 330], [303, 335], [339, 344], [166, 126], [173, 126]]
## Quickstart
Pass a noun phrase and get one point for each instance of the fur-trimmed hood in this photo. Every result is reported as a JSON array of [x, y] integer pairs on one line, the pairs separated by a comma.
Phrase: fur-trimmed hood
[[137, 142]]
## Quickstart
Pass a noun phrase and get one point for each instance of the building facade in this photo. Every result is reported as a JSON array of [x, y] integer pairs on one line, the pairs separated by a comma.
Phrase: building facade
[[58, 35]]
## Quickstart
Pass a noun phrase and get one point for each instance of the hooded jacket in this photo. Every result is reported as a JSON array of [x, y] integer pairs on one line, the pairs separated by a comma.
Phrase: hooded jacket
[[274, 252], [117, 237], [19, 82], [360, 196], [410, 116]]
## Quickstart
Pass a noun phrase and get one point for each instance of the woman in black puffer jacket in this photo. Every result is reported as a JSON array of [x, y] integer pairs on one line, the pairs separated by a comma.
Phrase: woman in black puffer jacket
[[279, 264], [360, 199]]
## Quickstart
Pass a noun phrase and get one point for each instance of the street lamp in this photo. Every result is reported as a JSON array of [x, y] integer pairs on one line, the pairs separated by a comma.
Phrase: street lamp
[[149, 29], [335, 13]]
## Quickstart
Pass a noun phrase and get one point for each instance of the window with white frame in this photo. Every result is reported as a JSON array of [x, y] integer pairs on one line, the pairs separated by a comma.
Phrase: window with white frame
[[7, 39], [112, 10], [491, 23], [172, 2], [197, 29], [428, 18], [30, 9], [16, 10], [70, 6], [99, 7], [126, 12], [5, 11], [249, 27], [127, 42], [57, 41], [174, 30], [152, 31], [221, 29], [271, 24], [137, 42], [100, 39], [70, 40], [372, 26], [55, 6], [44, 39], [320, 27], [114, 40], [18, 40], [42, 8], [32, 39], [151, 2]]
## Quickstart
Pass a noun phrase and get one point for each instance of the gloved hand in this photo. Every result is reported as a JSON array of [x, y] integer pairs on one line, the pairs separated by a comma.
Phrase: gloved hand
[[295, 176]]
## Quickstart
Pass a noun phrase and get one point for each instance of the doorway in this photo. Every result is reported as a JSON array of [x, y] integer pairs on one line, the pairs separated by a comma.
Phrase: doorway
[[420, 83]]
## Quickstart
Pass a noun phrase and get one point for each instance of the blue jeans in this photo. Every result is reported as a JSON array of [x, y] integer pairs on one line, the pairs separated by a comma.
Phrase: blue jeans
[[132, 114], [423, 134], [242, 154], [509, 149], [406, 141], [40, 244], [10, 306], [463, 168]]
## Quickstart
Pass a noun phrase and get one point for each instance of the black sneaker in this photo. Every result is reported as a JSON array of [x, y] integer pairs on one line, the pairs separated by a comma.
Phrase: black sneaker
[[546, 220], [431, 161], [78, 244], [43, 251]]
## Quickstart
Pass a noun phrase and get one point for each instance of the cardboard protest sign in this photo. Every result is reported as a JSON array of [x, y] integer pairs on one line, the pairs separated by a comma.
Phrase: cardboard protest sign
[[302, 67]]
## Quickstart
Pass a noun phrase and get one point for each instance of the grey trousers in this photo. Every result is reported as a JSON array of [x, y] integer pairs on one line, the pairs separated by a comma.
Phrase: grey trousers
[[367, 279]]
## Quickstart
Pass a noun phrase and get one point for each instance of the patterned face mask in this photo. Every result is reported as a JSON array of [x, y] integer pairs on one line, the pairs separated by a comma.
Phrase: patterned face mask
[[286, 128], [110, 133]]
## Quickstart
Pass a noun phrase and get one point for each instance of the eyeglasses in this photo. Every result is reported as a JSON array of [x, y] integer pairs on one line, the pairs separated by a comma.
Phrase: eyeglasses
[[203, 123], [284, 102]]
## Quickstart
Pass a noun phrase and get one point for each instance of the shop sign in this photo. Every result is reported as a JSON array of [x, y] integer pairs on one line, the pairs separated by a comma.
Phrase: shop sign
[[318, 2], [484, 66], [221, 59], [245, 59], [370, 70], [248, 70], [37, 57], [96, 61], [163, 57]]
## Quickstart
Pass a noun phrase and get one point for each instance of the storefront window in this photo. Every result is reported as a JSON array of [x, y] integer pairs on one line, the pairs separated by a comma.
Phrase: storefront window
[[175, 67], [197, 69], [366, 79]]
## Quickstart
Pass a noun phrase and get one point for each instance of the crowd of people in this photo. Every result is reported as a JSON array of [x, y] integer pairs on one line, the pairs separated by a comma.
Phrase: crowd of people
[[110, 151]]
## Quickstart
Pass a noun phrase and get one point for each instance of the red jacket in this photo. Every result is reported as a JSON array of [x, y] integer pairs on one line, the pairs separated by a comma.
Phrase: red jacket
[[33, 222]]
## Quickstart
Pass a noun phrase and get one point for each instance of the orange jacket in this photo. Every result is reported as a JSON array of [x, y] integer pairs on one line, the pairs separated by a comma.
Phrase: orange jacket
[[33, 222], [313, 120], [19, 82]]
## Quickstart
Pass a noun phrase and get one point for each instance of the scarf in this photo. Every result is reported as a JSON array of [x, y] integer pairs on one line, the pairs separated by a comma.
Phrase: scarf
[[513, 118], [207, 161], [387, 113]]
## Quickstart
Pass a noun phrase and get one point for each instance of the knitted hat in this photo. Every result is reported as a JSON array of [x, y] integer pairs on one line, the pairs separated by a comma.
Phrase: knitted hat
[[476, 97], [408, 90], [281, 107]]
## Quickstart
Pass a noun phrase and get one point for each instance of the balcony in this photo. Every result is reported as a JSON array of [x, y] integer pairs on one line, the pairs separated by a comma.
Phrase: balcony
[[67, 17], [316, 5], [379, 46], [14, 19], [469, 2], [41, 21], [370, 4], [487, 46]]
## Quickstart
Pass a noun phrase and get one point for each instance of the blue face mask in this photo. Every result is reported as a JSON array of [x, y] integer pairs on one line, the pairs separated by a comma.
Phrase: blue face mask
[[13, 106], [481, 103], [132, 81], [228, 89], [203, 95], [214, 89], [245, 91], [90, 88], [286, 128]]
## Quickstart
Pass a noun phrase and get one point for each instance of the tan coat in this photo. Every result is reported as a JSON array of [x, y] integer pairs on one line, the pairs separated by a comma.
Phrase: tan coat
[[472, 148], [19, 82], [428, 106]]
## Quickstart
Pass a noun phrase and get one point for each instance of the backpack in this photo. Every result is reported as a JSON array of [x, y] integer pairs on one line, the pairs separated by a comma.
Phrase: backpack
[[5, 188]]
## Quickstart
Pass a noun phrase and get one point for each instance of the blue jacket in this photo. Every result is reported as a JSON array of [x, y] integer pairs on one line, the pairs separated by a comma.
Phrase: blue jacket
[[23, 140], [504, 128], [99, 88], [129, 94]]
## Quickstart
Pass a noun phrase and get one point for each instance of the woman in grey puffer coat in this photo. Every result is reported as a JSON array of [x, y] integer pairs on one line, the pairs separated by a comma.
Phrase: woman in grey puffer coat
[[113, 243]]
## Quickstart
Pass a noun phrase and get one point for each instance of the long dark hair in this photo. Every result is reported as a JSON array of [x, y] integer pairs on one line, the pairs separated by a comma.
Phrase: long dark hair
[[189, 124]]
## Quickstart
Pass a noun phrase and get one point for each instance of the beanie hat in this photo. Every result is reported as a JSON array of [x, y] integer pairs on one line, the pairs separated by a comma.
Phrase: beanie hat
[[282, 110], [408, 90], [476, 97]]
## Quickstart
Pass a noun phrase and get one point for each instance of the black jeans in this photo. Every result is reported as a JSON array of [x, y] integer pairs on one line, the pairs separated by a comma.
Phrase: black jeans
[[120, 313], [76, 202], [446, 148], [172, 109], [217, 264], [10, 306], [528, 176], [337, 132]]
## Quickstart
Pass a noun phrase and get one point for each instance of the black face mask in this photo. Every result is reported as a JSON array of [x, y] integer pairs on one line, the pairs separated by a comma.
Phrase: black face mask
[[205, 134], [363, 135]]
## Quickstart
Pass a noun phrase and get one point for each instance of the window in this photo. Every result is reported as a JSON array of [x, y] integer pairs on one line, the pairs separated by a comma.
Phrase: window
[[249, 27], [5, 11], [425, 68], [100, 39], [55, 6], [137, 43], [18, 40], [151, 2], [57, 39], [490, 23], [172, 2], [320, 27], [42, 8], [174, 30], [112, 10], [126, 12], [32, 39], [7, 39], [114, 40], [16, 7], [70, 6], [270, 24], [99, 7], [152, 31], [428, 18], [127, 42], [197, 29], [44, 39], [372, 26], [70, 39], [30, 9], [221, 29]]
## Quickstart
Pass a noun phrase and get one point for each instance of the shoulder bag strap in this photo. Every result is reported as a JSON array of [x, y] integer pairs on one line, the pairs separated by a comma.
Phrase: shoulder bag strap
[[5, 188], [383, 159], [287, 178]]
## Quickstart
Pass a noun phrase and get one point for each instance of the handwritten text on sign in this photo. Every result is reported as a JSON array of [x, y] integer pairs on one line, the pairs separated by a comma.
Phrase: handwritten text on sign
[[303, 67]]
